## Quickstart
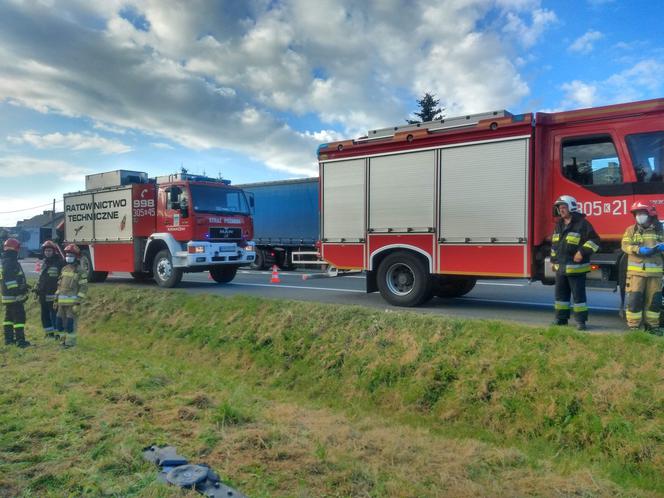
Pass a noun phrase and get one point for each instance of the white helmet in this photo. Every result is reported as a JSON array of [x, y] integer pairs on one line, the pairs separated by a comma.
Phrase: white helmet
[[569, 201]]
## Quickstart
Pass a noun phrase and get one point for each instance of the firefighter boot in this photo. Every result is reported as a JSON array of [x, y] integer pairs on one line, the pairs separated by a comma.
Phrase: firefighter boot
[[9, 334], [20, 338], [658, 331], [68, 340]]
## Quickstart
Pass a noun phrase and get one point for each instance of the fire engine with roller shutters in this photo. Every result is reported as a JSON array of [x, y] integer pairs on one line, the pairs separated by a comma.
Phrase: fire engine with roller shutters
[[427, 209], [161, 227]]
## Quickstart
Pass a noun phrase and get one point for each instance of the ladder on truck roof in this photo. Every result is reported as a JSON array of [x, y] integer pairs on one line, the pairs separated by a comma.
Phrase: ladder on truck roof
[[437, 125]]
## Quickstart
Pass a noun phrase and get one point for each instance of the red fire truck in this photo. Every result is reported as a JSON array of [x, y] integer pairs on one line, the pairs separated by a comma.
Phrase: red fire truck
[[427, 209], [159, 228]]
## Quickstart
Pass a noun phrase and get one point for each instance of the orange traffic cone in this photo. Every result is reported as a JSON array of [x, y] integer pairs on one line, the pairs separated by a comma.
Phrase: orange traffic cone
[[209, 276], [38, 267], [275, 275]]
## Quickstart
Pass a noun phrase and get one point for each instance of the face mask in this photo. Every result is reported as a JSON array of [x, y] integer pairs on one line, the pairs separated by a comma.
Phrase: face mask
[[70, 259], [642, 219]]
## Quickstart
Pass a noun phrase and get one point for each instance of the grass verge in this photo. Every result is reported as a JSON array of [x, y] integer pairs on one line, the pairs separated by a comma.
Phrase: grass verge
[[300, 399]]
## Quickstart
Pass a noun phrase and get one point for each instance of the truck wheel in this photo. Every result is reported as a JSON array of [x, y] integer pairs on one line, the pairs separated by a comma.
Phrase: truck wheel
[[452, 287], [259, 261], [403, 280], [86, 265], [164, 273], [223, 274]]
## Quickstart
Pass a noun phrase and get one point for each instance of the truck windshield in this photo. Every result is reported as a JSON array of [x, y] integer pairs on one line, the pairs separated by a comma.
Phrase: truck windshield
[[647, 153], [209, 199]]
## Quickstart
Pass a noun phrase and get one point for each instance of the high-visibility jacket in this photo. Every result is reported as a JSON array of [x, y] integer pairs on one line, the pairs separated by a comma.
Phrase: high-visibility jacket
[[13, 286], [567, 239], [637, 236], [72, 285], [48, 278]]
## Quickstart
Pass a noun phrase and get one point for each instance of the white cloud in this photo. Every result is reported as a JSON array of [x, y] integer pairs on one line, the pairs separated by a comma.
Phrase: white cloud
[[585, 43], [579, 94], [25, 166], [162, 145], [71, 141], [109, 128], [638, 82], [207, 77], [529, 34]]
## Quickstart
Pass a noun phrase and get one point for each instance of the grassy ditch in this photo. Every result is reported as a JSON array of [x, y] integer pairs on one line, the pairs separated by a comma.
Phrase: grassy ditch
[[300, 399]]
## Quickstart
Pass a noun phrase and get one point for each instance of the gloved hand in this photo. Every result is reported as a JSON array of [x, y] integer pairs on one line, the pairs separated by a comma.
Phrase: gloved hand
[[55, 305], [660, 247], [646, 251], [76, 309]]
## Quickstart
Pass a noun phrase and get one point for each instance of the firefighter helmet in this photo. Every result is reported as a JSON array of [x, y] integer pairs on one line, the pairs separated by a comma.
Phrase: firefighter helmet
[[73, 249], [646, 206], [569, 201], [11, 245], [49, 244]]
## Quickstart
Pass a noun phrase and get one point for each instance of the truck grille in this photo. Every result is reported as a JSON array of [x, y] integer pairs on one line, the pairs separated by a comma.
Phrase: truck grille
[[223, 233]]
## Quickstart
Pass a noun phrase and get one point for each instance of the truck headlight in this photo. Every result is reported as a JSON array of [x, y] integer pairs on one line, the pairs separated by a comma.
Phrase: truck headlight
[[249, 248], [196, 249]]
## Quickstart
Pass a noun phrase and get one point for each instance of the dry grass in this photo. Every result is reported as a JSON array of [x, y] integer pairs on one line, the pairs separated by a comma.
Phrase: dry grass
[[310, 401]]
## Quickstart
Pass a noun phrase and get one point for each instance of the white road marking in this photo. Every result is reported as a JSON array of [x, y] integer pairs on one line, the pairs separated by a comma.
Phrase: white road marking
[[529, 303], [502, 283], [276, 286], [476, 299]]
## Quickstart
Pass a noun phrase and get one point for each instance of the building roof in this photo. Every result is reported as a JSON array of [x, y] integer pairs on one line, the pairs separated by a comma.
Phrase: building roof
[[41, 220]]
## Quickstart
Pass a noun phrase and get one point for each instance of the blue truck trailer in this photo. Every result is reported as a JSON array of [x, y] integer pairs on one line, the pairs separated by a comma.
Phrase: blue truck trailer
[[286, 220]]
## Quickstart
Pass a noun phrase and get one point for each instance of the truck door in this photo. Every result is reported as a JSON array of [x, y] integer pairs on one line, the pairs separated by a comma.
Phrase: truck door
[[175, 208], [593, 167]]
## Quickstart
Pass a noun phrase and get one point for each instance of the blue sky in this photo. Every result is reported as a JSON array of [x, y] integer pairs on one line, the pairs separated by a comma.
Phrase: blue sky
[[249, 88]]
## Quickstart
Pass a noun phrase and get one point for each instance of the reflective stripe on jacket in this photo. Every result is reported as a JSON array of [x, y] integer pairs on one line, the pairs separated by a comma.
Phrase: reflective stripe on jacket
[[13, 287], [568, 239], [48, 278], [72, 285], [637, 236]]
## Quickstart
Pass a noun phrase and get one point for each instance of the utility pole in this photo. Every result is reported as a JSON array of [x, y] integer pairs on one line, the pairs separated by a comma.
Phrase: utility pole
[[53, 221]]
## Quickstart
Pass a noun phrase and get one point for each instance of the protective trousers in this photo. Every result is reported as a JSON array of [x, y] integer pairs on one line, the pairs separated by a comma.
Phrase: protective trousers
[[66, 324], [14, 323], [643, 293], [48, 314], [571, 286]]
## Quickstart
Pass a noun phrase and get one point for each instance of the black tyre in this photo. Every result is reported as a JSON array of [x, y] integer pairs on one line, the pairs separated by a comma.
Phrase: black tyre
[[86, 265], [223, 274], [141, 276], [259, 261], [403, 280], [453, 286], [286, 261], [165, 274]]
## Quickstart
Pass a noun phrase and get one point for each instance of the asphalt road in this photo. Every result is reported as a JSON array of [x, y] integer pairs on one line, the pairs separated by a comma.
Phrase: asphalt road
[[511, 300]]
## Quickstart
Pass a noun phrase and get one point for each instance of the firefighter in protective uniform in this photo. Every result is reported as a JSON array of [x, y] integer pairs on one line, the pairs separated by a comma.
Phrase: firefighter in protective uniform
[[47, 285], [643, 242], [14, 290], [573, 241], [72, 288]]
